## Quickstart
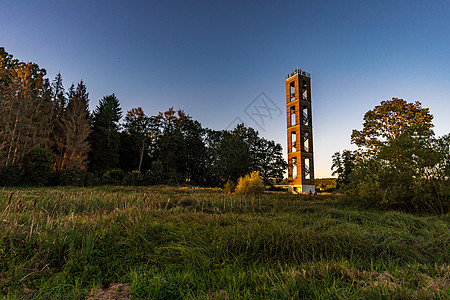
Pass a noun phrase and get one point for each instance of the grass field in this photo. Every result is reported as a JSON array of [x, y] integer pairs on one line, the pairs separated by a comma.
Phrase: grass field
[[186, 243]]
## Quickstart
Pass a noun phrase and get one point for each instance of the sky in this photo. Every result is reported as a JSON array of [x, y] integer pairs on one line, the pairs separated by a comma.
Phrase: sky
[[223, 61]]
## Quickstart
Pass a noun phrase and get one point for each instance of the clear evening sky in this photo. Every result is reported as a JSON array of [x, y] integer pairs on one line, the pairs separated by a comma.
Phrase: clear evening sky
[[213, 58]]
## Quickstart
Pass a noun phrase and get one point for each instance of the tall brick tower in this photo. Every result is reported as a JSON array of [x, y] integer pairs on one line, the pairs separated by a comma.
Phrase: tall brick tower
[[299, 132]]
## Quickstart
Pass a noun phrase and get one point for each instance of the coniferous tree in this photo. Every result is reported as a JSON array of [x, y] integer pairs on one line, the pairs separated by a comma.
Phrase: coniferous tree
[[76, 126], [105, 136], [60, 102], [58, 95]]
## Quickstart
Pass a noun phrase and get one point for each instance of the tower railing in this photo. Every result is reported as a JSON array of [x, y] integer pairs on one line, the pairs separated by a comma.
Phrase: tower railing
[[298, 71]]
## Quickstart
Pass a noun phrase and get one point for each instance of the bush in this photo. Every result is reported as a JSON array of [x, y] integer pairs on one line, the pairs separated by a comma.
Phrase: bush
[[73, 176], [250, 184], [155, 174], [376, 183], [134, 178], [114, 176], [229, 187]]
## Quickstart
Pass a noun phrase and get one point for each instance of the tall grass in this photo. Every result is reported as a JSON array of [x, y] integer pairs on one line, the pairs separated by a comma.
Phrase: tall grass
[[173, 243]]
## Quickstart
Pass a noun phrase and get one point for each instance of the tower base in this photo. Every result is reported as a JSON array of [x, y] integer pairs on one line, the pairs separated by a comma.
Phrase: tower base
[[302, 189]]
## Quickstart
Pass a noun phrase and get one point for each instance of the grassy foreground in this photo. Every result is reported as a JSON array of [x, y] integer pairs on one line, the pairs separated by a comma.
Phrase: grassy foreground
[[169, 243]]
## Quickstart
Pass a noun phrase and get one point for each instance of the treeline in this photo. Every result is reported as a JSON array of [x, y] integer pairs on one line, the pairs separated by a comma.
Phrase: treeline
[[400, 164], [49, 137]]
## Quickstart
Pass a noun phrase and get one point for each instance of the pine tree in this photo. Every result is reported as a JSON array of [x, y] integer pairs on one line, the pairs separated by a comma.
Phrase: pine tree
[[75, 123], [105, 136], [58, 136]]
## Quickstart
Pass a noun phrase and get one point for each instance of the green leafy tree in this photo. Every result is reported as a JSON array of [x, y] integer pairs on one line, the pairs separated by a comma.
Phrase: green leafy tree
[[268, 160], [214, 170], [235, 153], [25, 109], [342, 166], [232, 154], [180, 146], [105, 136], [442, 146], [403, 166], [140, 130], [390, 120]]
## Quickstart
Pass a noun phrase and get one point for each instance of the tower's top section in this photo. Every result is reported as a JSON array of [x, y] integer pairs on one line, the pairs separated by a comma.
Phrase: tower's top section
[[298, 71]]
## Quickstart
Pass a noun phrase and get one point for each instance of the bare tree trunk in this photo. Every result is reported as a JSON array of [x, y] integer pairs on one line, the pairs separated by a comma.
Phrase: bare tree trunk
[[141, 155]]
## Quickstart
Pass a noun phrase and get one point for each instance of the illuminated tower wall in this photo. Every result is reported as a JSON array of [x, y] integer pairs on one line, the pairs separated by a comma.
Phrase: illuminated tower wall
[[299, 132]]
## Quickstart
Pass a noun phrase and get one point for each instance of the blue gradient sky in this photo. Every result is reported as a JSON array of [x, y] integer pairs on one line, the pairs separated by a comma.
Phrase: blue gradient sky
[[212, 58]]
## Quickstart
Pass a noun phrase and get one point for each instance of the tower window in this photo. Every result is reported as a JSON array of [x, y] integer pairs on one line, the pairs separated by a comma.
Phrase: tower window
[[304, 90], [294, 167], [306, 142], [292, 90], [305, 116], [293, 141], [307, 168], [292, 113]]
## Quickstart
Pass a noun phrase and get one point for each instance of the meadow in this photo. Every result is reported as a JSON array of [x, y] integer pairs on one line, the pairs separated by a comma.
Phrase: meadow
[[191, 243]]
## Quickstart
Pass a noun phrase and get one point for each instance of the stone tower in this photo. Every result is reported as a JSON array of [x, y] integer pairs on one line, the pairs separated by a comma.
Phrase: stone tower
[[299, 132]]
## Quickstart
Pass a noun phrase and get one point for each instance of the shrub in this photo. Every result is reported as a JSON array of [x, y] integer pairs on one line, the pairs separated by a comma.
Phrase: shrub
[[155, 174], [114, 176], [73, 176], [229, 187], [376, 183], [134, 178], [250, 184]]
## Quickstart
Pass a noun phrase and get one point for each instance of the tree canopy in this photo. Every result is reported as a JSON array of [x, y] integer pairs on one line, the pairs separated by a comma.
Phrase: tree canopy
[[390, 120]]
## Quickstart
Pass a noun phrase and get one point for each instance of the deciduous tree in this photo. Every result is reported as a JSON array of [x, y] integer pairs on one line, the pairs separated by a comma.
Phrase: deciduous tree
[[140, 128], [25, 109], [391, 119]]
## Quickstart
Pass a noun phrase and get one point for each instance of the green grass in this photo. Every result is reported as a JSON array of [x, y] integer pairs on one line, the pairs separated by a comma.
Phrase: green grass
[[187, 243]]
